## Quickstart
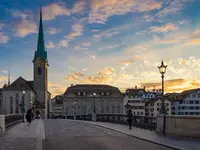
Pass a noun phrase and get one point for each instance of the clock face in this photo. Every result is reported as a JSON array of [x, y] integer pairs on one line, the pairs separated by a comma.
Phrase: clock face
[[39, 62]]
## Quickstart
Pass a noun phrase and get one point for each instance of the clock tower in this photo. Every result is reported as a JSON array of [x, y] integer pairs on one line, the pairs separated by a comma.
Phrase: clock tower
[[40, 73]]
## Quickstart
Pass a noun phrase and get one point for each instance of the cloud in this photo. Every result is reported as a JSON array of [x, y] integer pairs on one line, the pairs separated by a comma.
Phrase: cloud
[[25, 27], [92, 57], [175, 85], [165, 28], [77, 47], [110, 47], [56, 89], [86, 44], [50, 45], [194, 41], [78, 7], [100, 77], [53, 30], [3, 78], [63, 43], [102, 10], [53, 10], [3, 38], [137, 49], [77, 30], [106, 34], [19, 14]]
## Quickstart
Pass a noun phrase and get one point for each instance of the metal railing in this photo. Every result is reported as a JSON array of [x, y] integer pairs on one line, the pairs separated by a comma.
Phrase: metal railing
[[144, 122], [12, 119]]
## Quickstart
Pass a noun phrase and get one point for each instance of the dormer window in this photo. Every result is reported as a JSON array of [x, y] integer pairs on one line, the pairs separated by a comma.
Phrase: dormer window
[[102, 93], [84, 93], [107, 93], [79, 93]]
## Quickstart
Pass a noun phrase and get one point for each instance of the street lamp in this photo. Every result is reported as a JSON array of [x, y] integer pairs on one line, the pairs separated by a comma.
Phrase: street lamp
[[162, 68], [75, 110], [94, 107], [22, 104]]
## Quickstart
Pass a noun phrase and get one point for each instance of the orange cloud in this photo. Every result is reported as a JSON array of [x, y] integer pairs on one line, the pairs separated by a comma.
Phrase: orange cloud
[[56, 89], [53, 10], [3, 78], [195, 41], [175, 85], [102, 10], [25, 27], [77, 30], [165, 28]]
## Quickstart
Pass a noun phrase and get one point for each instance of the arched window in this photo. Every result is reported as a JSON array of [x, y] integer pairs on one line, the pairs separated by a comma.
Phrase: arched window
[[39, 71], [11, 104]]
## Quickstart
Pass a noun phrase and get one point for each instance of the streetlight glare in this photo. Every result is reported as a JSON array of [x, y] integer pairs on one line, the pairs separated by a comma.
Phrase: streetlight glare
[[23, 92], [94, 94], [162, 68]]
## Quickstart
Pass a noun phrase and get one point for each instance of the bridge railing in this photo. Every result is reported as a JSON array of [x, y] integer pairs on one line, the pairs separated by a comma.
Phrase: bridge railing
[[144, 122], [13, 119]]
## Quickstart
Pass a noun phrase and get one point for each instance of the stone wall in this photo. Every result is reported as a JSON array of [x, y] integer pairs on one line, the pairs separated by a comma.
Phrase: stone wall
[[187, 126]]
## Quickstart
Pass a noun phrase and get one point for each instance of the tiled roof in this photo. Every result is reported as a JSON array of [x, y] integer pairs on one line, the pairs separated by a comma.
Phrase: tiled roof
[[19, 84], [92, 88]]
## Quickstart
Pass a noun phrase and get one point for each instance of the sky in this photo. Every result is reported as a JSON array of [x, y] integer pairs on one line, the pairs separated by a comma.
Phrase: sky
[[120, 43]]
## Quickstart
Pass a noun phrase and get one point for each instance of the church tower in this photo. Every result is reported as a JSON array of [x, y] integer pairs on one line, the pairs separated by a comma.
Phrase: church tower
[[40, 72]]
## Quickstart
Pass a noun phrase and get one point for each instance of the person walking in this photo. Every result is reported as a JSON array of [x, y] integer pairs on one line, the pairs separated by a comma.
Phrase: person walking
[[29, 116], [129, 118]]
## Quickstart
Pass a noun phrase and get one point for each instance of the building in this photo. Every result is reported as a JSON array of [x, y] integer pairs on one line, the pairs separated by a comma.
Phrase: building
[[186, 102], [153, 106], [36, 91], [135, 99], [87, 99], [13, 95], [57, 106], [1, 100]]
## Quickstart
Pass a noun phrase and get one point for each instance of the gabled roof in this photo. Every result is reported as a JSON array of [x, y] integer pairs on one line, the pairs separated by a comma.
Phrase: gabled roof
[[20, 84]]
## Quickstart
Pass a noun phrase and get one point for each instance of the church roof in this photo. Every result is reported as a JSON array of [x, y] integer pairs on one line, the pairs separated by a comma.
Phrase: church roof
[[40, 52], [20, 84]]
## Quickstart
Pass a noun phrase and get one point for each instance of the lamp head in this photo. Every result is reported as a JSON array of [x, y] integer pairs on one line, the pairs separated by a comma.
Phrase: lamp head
[[162, 68]]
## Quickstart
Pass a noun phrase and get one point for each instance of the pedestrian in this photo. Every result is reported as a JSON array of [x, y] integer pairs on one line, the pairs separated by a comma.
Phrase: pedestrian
[[29, 116], [129, 118]]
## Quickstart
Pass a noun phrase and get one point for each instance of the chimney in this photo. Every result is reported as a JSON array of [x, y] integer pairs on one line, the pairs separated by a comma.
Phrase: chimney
[[136, 87], [71, 84], [144, 88]]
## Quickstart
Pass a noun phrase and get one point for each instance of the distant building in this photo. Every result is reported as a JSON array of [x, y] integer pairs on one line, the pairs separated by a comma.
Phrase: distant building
[[57, 106], [86, 99], [135, 99], [1, 100], [153, 106], [186, 102]]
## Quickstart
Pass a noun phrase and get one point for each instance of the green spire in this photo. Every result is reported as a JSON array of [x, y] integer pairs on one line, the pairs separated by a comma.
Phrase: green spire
[[40, 45]]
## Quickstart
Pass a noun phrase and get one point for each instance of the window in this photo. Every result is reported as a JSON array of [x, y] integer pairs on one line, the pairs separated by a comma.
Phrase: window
[[186, 113], [107, 109], [197, 113], [197, 102], [167, 109], [11, 104], [194, 95], [107, 93], [17, 103], [152, 115], [39, 71], [102, 93], [137, 113], [183, 107], [198, 95], [180, 102], [141, 113], [197, 107], [191, 102], [118, 109], [191, 113], [173, 113], [191, 108], [158, 109]]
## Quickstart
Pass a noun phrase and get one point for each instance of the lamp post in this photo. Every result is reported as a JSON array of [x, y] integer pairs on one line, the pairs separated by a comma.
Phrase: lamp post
[[22, 104], [94, 118], [162, 68], [75, 110]]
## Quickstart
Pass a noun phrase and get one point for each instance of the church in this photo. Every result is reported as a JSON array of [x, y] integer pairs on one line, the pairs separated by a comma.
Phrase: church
[[34, 94]]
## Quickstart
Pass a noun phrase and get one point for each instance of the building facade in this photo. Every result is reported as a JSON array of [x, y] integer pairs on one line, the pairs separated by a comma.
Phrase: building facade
[[135, 100], [186, 103], [13, 96], [1, 100], [85, 99], [153, 106]]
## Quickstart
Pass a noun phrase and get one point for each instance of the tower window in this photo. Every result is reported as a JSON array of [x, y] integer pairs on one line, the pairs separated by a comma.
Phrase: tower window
[[39, 71]]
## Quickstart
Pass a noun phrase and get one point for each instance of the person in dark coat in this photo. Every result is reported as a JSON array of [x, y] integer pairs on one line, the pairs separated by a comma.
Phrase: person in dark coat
[[129, 118], [29, 116]]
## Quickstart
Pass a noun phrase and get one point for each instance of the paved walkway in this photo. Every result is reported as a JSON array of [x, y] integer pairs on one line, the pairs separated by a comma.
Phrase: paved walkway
[[152, 136], [23, 137]]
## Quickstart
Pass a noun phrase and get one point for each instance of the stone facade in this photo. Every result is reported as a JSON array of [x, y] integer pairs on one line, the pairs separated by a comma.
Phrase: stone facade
[[188, 126], [87, 99]]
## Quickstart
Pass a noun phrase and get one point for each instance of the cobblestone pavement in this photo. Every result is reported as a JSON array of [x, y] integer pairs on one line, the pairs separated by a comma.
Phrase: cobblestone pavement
[[69, 135]]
